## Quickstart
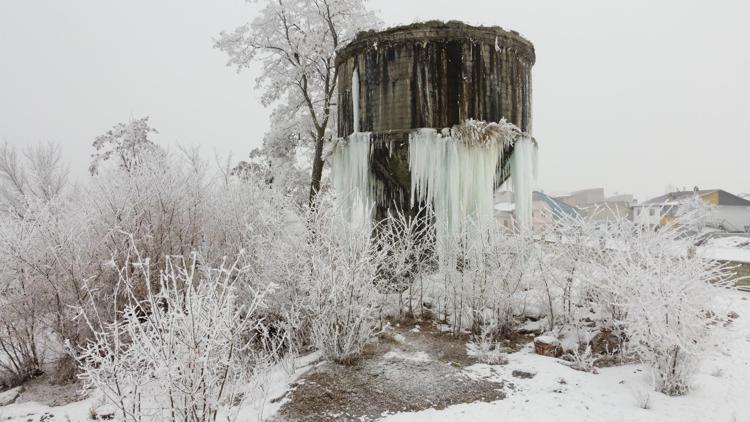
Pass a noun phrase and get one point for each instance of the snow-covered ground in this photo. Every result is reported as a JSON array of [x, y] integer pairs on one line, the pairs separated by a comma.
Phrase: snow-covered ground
[[555, 392], [732, 248], [265, 397], [558, 393]]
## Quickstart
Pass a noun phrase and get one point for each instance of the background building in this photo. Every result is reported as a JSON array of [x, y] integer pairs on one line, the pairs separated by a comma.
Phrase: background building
[[595, 205], [545, 210], [728, 212]]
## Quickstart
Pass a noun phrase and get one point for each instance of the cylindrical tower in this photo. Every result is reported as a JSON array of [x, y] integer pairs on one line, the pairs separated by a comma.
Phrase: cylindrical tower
[[435, 75], [429, 75]]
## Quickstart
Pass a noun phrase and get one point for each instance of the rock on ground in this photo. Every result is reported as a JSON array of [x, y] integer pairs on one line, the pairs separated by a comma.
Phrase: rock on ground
[[548, 346], [10, 396]]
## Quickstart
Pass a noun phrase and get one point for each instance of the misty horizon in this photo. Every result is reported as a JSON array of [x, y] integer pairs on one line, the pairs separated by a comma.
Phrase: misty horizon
[[632, 98]]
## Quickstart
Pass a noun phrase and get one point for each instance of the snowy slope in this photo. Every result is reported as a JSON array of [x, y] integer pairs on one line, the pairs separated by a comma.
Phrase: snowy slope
[[733, 248]]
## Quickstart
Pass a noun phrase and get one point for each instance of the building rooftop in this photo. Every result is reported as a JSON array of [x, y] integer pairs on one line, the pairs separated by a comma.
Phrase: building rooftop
[[724, 198], [559, 208]]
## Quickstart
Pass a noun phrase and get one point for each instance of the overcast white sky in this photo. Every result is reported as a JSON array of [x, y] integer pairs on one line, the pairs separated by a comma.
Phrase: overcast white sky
[[631, 95]]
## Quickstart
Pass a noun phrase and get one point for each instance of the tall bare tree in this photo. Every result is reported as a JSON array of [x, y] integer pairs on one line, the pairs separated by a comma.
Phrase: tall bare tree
[[295, 43]]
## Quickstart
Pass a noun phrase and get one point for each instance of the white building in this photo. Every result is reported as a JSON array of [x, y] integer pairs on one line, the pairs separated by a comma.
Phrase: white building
[[729, 212], [596, 206]]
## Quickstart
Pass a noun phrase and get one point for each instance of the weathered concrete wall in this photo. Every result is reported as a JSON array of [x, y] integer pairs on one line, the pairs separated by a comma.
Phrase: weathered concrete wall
[[435, 75]]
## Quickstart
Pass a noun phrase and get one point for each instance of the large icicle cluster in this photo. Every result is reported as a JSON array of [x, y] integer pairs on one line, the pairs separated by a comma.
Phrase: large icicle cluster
[[523, 174], [455, 172], [351, 177]]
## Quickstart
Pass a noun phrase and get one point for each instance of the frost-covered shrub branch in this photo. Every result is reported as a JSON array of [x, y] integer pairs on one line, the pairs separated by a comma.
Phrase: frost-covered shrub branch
[[186, 350], [649, 288], [612, 288], [344, 262]]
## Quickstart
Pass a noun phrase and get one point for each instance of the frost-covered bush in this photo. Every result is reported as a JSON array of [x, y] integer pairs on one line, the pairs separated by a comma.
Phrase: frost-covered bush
[[32, 183], [505, 278], [19, 326], [409, 241], [21, 355], [652, 290], [343, 261], [41, 257], [185, 351], [490, 283], [591, 276], [168, 203], [50, 247], [667, 319], [582, 359], [36, 174], [485, 347]]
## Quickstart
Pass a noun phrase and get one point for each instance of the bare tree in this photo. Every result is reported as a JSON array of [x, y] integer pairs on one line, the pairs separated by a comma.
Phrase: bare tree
[[128, 143], [295, 43], [38, 173]]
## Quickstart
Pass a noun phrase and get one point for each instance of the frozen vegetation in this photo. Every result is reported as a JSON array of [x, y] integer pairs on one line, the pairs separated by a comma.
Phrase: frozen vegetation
[[166, 288], [173, 291]]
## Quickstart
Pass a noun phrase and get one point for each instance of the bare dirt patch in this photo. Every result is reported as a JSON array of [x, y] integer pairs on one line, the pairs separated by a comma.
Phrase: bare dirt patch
[[42, 390], [411, 367]]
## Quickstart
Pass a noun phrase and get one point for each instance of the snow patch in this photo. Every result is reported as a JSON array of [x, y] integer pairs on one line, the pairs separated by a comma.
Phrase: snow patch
[[547, 340], [732, 248], [10, 396], [412, 357]]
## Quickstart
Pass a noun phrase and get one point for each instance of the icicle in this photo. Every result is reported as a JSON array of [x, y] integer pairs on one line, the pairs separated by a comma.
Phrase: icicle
[[355, 100], [454, 172], [523, 163], [351, 177]]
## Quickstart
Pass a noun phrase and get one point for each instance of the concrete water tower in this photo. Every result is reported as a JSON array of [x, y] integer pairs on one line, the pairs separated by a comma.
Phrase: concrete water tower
[[395, 83]]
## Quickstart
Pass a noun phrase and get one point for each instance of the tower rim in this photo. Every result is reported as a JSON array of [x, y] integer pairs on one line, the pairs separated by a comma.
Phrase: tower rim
[[431, 31]]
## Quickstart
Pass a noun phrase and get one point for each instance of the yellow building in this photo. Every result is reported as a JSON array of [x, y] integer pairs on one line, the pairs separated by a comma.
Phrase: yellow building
[[727, 211]]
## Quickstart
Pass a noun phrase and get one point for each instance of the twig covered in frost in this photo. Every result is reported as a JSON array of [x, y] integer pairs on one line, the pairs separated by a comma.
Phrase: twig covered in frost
[[485, 347], [653, 290], [582, 359], [409, 243], [343, 260], [183, 352]]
